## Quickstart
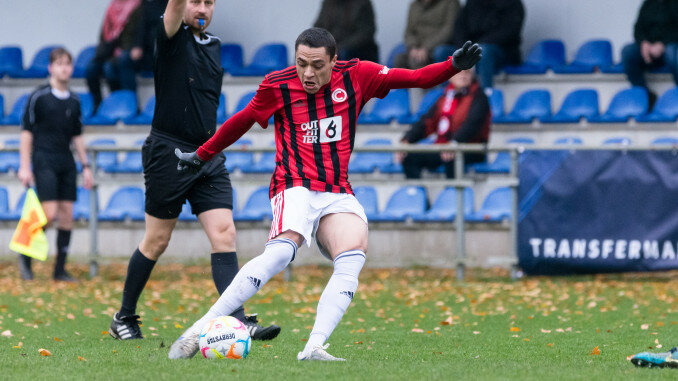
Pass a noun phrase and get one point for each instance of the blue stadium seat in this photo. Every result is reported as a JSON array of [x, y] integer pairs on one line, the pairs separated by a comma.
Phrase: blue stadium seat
[[429, 99], [617, 140], [545, 55], [496, 207], [267, 58], [665, 109], [397, 50], [38, 68], [239, 160], [244, 101], [186, 214], [126, 202], [10, 161], [368, 162], [83, 59], [665, 140], [221, 109], [231, 57], [496, 100], [131, 162], [405, 202], [257, 207], [15, 214], [568, 140], [81, 207], [367, 197], [146, 115], [592, 55], [444, 208], [581, 103], [106, 161], [532, 104], [5, 212], [11, 60], [14, 116], [502, 162], [86, 105], [395, 105], [120, 105], [625, 104], [265, 164], [2, 107]]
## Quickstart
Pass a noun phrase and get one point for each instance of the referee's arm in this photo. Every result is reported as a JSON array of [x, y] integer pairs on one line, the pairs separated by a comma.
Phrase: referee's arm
[[173, 16]]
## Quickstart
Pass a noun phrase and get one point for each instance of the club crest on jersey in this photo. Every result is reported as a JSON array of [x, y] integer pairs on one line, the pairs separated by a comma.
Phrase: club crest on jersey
[[322, 131], [339, 95]]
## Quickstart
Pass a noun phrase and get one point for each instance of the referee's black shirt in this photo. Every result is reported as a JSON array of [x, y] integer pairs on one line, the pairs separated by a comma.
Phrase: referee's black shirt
[[53, 121], [188, 77]]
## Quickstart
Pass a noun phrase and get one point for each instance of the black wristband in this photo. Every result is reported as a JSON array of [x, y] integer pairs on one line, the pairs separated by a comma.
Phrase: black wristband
[[85, 165]]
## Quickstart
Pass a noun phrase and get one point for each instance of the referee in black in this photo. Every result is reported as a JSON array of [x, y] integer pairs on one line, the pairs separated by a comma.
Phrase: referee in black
[[50, 123], [188, 77]]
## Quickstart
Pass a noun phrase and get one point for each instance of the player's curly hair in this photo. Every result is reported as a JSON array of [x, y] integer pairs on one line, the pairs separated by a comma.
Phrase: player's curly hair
[[317, 38]]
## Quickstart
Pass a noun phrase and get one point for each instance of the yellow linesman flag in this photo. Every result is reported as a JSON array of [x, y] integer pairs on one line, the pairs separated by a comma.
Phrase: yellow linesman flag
[[29, 238]]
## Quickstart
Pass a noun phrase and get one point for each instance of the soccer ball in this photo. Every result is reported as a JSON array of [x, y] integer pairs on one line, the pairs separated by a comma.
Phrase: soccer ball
[[225, 337]]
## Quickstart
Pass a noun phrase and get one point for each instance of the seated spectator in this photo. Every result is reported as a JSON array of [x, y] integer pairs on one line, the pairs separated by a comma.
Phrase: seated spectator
[[656, 43], [462, 114], [429, 25], [119, 51], [496, 25], [351, 22]]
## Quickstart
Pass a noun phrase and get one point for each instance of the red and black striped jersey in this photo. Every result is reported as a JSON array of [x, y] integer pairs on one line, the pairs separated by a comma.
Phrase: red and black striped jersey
[[315, 133]]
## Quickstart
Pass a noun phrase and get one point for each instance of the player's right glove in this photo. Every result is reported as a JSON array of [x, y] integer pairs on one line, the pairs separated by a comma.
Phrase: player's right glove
[[188, 161], [467, 56]]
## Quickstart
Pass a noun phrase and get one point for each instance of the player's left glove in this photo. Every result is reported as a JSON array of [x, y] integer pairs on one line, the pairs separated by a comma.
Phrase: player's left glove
[[467, 56], [188, 161]]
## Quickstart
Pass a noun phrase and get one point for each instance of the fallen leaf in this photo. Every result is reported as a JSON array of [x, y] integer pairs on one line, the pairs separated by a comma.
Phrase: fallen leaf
[[7, 333], [595, 351], [549, 345], [514, 329], [70, 316], [80, 358], [44, 352], [545, 330], [418, 330], [104, 332], [177, 325], [644, 327], [57, 339], [476, 332]]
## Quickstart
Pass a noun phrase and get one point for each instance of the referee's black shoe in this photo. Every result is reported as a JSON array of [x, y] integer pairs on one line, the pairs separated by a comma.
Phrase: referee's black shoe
[[125, 328], [258, 332]]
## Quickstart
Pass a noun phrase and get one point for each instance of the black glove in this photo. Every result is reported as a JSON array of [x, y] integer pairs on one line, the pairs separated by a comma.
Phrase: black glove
[[466, 57], [189, 161]]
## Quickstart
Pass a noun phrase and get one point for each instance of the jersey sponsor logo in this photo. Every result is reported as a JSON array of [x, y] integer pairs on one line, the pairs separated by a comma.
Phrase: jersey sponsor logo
[[322, 131], [339, 95], [384, 70]]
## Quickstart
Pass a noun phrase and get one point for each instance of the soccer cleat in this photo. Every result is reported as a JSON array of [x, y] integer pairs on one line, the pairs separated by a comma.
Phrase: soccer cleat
[[125, 328], [660, 360], [258, 332], [64, 277], [186, 345], [317, 354]]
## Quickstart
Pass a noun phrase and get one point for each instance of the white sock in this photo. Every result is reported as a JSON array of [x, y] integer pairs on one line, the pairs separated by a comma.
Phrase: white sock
[[337, 296], [251, 277]]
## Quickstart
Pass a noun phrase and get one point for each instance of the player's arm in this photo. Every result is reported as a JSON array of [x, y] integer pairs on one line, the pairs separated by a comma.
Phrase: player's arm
[[79, 144], [174, 13], [25, 147], [431, 75], [235, 127]]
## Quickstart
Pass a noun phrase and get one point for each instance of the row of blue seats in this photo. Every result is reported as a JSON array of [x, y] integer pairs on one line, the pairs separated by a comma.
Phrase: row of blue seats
[[267, 58], [409, 202]]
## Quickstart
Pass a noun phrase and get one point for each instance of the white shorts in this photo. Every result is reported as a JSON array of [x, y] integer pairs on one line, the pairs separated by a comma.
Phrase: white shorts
[[300, 210]]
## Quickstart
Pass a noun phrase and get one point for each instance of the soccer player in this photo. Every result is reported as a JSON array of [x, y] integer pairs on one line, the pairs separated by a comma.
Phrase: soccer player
[[315, 106], [188, 77], [51, 122]]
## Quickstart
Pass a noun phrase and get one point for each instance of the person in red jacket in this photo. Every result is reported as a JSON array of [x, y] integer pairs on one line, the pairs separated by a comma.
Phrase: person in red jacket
[[462, 114], [315, 105]]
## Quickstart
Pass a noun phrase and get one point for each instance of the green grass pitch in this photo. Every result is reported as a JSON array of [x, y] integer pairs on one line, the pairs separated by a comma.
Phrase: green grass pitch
[[407, 324]]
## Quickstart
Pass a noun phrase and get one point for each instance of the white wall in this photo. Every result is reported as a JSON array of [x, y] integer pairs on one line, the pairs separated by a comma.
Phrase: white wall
[[75, 23]]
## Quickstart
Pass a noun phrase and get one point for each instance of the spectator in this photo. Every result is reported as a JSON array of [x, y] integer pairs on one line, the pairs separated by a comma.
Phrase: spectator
[[429, 25], [461, 114], [656, 43], [119, 51], [496, 25], [352, 24]]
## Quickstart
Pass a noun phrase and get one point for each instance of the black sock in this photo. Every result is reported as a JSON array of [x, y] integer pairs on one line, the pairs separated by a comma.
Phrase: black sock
[[138, 272], [26, 261], [224, 269], [63, 240]]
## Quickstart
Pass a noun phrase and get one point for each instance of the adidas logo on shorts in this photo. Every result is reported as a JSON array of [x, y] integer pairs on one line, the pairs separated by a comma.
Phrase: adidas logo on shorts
[[349, 294], [255, 282]]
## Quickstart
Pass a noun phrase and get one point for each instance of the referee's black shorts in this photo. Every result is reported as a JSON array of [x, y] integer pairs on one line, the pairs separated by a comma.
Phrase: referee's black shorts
[[167, 189], [55, 176]]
